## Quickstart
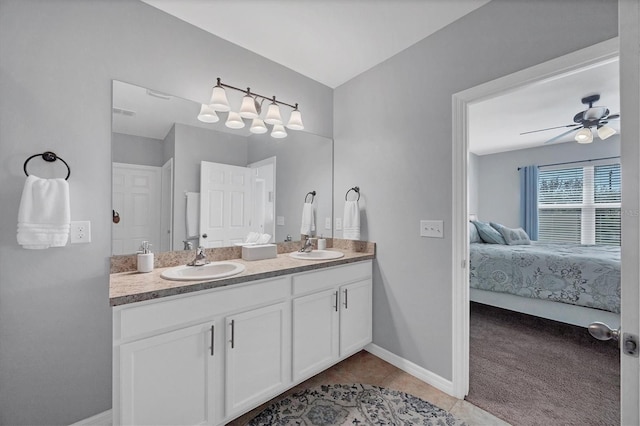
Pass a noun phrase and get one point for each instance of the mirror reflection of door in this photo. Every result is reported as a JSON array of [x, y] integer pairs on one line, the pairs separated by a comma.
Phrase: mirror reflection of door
[[225, 206], [136, 194]]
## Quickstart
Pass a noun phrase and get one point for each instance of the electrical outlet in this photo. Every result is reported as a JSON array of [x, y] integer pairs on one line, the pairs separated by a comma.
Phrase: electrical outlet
[[431, 228], [327, 223], [338, 223], [80, 232]]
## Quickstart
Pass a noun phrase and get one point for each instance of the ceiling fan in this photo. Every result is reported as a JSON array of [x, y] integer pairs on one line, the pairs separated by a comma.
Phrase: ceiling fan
[[597, 117]]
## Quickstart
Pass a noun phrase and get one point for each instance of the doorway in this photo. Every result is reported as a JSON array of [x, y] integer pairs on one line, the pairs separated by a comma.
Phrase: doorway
[[550, 70]]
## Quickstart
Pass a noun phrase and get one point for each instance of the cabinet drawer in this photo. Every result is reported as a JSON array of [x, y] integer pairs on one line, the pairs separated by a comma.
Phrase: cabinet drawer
[[326, 278], [159, 315]]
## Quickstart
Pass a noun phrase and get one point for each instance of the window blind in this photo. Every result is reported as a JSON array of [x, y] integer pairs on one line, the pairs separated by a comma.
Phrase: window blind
[[580, 204]]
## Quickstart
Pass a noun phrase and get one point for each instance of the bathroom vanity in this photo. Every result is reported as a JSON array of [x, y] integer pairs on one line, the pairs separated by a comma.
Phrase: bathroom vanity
[[207, 352]]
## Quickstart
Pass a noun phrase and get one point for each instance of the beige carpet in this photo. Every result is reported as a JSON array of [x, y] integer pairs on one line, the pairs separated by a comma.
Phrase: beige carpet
[[531, 371]]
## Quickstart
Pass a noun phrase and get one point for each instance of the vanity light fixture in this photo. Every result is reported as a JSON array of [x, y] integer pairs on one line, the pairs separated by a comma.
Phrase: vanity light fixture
[[250, 109], [207, 114]]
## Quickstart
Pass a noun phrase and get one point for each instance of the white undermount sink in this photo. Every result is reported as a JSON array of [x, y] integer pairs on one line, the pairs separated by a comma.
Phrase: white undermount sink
[[317, 255], [210, 271]]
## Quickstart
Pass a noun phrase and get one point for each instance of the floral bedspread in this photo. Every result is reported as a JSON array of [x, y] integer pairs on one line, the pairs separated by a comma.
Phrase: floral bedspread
[[584, 275]]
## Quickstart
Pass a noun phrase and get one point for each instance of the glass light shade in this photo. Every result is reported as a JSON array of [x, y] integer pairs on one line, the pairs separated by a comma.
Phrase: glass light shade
[[248, 108], [273, 115], [595, 113], [605, 131], [584, 136], [278, 131], [207, 114], [234, 121], [258, 127], [219, 100], [295, 121]]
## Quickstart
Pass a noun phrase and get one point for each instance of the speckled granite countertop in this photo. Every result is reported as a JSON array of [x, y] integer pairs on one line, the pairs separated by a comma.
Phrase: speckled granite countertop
[[130, 287]]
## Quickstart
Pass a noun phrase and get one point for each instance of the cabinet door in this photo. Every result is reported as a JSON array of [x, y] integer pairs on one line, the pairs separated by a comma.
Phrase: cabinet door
[[258, 358], [166, 379], [315, 332], [355, 316]]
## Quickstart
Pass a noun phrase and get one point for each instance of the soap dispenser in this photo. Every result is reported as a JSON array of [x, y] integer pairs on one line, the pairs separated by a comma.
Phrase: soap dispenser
[[145, 258]]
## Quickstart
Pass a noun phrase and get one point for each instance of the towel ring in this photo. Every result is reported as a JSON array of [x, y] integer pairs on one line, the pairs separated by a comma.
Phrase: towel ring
[[50, 157], [313, 195], [356, 189]]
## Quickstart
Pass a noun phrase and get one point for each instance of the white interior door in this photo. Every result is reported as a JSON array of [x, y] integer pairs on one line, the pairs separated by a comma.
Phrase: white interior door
[[225, 204], [629, 30], [264, 205], [166, 207], [136, 197]]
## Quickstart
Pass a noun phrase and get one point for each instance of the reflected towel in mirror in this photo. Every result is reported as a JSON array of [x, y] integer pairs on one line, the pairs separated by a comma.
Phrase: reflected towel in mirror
[[193, 215], [308, 219]]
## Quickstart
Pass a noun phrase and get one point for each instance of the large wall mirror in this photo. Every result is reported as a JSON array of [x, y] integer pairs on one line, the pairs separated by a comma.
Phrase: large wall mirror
[[178, 180]]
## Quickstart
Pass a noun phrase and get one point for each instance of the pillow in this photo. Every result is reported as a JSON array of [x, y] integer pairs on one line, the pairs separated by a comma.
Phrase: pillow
[[489, 234], [512, 236], [474, 236]]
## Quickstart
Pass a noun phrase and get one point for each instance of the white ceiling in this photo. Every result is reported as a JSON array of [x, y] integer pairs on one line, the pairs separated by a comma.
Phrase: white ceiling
[[330, 41], [495, 124]]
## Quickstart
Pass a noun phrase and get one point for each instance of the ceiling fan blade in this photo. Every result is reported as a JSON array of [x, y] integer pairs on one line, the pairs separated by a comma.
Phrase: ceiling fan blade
[[550, 128], [612, 117], [561, 135]]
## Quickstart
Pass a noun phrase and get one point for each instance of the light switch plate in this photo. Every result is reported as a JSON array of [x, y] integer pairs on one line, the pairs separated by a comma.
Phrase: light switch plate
[[338, 223], [280, 220], [432, 228], [80, 231]]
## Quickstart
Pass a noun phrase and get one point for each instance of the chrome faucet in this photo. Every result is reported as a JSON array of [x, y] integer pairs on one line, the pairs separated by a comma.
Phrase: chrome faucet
[[201, 258], [307, 247]]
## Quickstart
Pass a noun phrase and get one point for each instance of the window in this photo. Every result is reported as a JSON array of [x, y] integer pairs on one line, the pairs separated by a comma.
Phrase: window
[[580, 204]]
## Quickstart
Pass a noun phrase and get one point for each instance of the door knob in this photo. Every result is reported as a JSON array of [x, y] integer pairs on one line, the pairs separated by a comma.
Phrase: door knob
[[204, 235], [602, 331]]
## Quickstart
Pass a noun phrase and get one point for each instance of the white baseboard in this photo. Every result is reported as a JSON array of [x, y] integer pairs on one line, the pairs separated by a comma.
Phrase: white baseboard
[[102, 419], [415, 370]]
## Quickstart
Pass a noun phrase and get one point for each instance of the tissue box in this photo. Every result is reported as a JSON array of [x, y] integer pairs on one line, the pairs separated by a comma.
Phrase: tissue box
[[259, 252]]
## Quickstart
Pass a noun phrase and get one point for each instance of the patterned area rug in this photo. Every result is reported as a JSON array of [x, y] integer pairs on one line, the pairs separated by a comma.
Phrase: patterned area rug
[[353, 405]]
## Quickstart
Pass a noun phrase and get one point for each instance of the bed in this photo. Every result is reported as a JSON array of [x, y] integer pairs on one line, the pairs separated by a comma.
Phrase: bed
[[572, 283]]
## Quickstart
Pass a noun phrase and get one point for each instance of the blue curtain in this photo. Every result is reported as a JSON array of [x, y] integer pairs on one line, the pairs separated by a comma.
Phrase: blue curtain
[[529, 200]]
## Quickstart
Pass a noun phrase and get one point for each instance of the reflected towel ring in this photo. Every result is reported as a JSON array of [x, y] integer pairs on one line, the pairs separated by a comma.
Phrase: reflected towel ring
[[356, 189], [50, 157], [313, 195]]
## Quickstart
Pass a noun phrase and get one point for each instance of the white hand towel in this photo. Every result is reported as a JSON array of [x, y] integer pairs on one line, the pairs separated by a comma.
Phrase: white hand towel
[[193, 215], [44, 215], [308, 219], [351, 221]]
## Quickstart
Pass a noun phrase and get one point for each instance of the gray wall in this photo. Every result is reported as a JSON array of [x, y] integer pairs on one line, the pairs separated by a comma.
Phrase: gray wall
[[303, 164], [499, 183], [473, 178], [137, 150], [404, 170], [57, 60]]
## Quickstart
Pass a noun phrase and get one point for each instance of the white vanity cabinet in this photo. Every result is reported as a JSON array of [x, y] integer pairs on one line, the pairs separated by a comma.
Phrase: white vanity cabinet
[[168, 379], [258, 356], [207, 357], [332, 318]]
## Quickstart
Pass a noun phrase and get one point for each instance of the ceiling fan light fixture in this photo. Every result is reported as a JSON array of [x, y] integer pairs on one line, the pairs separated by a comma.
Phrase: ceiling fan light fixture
[[605, 132], [584, 135], [595, 113]]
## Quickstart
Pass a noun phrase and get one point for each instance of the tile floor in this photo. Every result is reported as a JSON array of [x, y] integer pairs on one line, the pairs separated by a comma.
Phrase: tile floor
[[369, 369]]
